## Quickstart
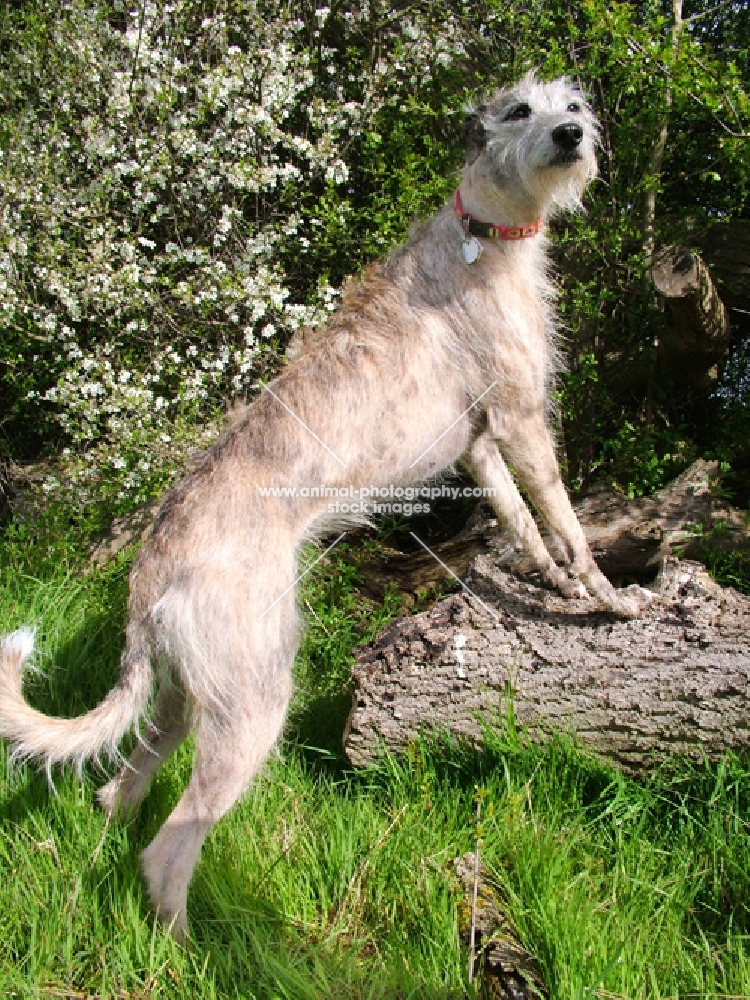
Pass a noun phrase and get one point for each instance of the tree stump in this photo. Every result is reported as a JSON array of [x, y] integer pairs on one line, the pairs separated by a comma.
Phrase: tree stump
[[700, 335], [675, 680]]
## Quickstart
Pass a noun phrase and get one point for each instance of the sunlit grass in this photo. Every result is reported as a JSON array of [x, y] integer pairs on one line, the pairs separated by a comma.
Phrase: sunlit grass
[[326, 883]]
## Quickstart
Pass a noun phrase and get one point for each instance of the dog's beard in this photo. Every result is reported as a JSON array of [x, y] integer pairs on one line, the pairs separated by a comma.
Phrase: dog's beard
[[565, 157], [555, 184], [561, 184]]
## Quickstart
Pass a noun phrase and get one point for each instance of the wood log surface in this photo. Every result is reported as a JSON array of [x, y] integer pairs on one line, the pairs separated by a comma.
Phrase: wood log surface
[[675, 680], [634, 691]]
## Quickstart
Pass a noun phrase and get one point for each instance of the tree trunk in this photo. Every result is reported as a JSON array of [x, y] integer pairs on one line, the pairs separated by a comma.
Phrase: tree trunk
[[726, 248], [652, 177], [651, 183], [700, 335], [675, 680]]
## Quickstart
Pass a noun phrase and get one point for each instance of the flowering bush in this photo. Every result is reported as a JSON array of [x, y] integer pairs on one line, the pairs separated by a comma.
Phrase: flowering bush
[[183, 185], [163, 184]]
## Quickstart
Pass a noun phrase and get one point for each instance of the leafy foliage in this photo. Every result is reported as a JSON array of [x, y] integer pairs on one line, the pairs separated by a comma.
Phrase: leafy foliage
[[184, 185], [179, 226]]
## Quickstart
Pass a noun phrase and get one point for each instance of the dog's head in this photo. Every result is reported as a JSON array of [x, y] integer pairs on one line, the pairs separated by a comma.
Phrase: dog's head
[[535, 139]]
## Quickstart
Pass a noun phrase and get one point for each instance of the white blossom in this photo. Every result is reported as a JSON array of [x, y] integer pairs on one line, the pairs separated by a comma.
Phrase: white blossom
[[148, 196]]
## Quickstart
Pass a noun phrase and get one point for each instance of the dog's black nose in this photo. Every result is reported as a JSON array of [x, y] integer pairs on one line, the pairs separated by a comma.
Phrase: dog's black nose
[[568, 136]]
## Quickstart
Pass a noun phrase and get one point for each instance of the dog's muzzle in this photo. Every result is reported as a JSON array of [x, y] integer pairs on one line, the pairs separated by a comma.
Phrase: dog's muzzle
[[567, 138]]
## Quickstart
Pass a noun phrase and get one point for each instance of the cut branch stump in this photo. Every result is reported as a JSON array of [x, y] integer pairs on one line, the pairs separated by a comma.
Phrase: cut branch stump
[[700, 336]]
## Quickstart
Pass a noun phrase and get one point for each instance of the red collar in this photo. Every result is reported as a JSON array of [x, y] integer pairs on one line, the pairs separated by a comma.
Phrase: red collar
[[477, 228]]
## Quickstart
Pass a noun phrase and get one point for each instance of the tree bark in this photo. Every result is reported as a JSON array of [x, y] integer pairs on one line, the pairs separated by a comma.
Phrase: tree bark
[[726, 248], [675, 680], [701, 332]]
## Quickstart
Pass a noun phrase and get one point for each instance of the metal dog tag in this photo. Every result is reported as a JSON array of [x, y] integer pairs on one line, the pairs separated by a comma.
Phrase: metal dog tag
[[471, 249]]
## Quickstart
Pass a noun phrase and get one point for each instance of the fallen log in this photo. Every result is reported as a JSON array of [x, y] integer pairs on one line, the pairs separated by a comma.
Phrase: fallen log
[[504, 968], [675, 680], [699, 337], [631, 538]]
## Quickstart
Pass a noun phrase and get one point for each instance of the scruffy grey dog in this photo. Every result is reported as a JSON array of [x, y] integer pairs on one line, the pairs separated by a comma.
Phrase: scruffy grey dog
[[445, 352]]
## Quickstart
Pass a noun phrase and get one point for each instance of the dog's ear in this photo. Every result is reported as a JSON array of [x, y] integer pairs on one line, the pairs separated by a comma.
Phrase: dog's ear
[[475, 136]]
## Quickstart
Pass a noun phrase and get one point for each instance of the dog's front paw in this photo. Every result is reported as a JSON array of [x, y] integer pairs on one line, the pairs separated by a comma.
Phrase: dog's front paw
[[515, 559], [628, 602], [569, 586]]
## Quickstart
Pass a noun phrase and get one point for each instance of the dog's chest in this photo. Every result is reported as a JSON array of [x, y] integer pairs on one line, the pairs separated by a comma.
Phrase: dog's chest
[[516, 323]]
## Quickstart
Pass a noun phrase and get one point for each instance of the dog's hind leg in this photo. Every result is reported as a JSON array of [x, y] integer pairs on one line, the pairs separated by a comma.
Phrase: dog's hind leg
[[171, 721], [230, 748]]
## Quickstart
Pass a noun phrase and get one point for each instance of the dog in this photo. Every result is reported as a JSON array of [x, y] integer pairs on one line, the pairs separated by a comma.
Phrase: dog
[[445, 352]]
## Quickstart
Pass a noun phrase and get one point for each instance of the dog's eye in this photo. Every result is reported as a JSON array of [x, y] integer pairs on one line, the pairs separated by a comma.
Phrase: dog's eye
[[518, 113], [573, 106]]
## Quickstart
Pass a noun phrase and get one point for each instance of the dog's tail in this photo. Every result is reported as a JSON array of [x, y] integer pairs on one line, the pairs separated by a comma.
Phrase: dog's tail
[[35, 735]]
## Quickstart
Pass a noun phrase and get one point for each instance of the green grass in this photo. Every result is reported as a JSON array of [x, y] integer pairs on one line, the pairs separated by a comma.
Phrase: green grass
[[324, 883]]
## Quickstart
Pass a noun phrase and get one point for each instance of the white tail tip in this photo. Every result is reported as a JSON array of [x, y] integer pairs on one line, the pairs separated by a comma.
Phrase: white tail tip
[[19, 643]]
